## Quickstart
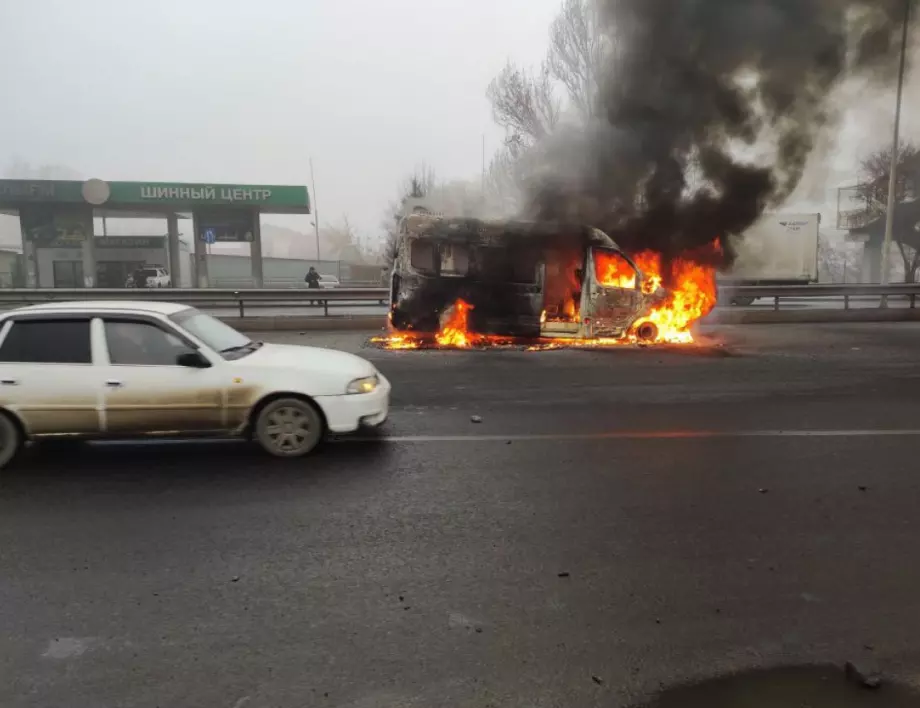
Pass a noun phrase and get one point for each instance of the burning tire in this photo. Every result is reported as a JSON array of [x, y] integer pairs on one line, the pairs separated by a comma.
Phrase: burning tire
[[647, 332]]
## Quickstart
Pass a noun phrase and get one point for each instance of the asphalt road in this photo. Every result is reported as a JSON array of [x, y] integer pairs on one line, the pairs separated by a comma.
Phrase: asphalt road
[[619, 521]]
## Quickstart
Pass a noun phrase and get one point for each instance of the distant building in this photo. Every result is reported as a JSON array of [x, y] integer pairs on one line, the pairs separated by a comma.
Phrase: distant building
[[11, 272]]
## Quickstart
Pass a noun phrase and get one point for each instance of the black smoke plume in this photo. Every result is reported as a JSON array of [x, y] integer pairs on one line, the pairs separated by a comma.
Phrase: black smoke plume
[[688, 83]]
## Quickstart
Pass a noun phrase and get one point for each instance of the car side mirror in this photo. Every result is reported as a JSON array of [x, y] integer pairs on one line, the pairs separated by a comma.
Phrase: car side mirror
[[193, 360]]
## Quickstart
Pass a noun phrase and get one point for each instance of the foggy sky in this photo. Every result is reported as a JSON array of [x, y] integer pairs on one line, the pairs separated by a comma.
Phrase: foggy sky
[[208, 90]]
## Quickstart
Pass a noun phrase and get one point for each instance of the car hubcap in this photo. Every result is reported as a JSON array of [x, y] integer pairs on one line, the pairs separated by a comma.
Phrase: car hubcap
[[288, 429]]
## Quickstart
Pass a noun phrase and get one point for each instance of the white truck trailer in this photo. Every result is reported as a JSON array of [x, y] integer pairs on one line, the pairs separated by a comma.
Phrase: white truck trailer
[[780, 249]]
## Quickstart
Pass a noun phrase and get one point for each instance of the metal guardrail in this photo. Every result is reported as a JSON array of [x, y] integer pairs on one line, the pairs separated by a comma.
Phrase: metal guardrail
[[253, 298], [846, 291], [207, 297], [278, 283]]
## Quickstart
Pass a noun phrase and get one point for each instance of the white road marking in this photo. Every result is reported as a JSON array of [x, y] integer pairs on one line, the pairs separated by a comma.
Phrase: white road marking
[[67, 647], [640, 435], [548, 437]]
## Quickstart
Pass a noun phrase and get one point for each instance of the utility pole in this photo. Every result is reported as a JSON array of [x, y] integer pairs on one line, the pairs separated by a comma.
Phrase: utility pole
[[892, 177], [315, 210], [483, 163]]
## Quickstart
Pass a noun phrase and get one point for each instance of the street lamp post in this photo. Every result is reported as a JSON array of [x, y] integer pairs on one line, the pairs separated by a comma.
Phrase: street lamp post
[[892, 177], [315, 210]]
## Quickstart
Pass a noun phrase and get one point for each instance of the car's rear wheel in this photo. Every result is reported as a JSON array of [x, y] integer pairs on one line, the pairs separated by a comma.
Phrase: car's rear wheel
[[289, 427], [11, 439]]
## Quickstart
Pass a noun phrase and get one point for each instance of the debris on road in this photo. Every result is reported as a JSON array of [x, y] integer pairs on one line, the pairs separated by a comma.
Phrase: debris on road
[[599, 681], [476, 419], [859, 675], [763, 490], [563, 574]]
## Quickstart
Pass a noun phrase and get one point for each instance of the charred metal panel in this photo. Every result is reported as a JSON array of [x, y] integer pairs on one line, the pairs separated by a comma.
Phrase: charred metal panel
[[615, 311]]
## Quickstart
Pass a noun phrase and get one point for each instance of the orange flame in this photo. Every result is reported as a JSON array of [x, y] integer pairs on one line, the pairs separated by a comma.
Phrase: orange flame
[[613, 271], [454, 332], [691, 294], [397, 341]]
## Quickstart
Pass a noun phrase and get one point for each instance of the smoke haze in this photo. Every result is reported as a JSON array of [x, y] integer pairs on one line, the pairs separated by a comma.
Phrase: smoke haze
[[708, 113]]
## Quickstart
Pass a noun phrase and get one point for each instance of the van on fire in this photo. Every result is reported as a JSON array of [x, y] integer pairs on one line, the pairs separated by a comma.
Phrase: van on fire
[[520, 279]]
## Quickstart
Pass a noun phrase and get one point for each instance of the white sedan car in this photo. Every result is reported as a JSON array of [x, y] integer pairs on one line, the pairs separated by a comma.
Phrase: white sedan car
[[106, 370]]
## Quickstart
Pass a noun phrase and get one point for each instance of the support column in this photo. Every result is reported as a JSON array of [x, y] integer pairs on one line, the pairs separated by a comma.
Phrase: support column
[[172, 246], [871, 271], [29, 258], [255, 251], [201, 255], [89, 256]]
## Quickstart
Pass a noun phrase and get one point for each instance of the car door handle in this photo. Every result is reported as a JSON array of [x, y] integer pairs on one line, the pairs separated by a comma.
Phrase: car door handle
[[9, 382], [113, 383]]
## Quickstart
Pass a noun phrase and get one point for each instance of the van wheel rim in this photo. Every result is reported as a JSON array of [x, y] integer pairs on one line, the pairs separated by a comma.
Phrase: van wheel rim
[[288, 429]]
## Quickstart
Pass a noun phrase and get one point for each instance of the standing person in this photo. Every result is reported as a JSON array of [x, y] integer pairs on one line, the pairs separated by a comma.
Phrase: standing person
[[312, 281], [312, 278], [140, 278]]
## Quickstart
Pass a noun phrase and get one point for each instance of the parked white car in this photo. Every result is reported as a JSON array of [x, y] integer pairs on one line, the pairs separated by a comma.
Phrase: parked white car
[[105, 370], [156, 278], [328, 281]]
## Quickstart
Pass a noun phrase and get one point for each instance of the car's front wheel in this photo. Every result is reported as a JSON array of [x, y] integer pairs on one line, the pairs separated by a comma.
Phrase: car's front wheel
[[11, 439], [289, 427]]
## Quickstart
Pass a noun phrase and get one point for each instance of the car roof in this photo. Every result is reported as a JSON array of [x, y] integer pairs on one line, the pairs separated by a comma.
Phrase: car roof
[[161, 308]]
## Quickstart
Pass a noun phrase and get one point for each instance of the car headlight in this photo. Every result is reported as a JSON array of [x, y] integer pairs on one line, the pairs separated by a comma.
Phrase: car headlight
[[366, 385]]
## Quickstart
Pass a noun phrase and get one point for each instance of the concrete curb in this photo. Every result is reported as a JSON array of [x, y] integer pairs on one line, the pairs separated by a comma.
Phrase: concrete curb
[[364, 323]]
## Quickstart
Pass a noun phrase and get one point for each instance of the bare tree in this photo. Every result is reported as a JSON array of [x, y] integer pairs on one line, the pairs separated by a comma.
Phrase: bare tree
[[417, 185], [529, 104], [524, 104], [577, 51], [341, 241], [873, 188], [505, 182], [838, 261], [876, 171]]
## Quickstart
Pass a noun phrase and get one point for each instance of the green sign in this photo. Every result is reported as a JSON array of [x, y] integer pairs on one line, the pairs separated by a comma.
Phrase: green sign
[[186, 195], [171, 195], [40, 190], [130, 241]]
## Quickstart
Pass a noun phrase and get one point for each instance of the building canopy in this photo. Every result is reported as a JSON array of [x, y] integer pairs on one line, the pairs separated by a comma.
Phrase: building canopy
[[154, 197]]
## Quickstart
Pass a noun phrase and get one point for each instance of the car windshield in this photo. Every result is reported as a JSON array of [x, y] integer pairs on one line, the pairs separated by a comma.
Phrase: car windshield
[[220, 337]]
